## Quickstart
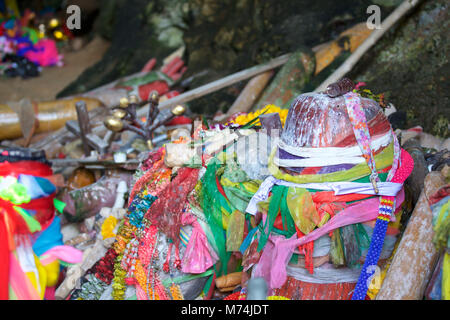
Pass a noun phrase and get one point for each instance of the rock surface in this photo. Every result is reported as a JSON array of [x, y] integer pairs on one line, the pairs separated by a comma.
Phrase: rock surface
[[221, 37], [410, 65]]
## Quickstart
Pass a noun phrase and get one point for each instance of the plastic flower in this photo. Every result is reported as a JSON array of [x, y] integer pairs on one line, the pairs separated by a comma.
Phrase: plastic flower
[[108, 227]]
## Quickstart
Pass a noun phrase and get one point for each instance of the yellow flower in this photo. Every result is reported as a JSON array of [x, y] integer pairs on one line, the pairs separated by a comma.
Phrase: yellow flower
[[245, 118], [108, 227]]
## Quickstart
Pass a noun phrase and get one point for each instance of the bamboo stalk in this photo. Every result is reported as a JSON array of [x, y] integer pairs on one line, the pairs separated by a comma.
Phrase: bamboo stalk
[[251, 92]]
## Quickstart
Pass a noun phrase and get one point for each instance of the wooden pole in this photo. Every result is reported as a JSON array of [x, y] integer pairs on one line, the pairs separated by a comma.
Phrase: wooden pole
[[248, 96], [220, 84], [84, 125], [416, 255]]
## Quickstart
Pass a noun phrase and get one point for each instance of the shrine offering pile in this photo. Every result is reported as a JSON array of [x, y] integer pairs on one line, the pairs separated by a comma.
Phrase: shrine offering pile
[[241, 212]]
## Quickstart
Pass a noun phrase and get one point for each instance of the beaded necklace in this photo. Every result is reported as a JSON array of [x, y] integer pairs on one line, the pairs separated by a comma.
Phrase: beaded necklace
[[386, 210], [175, 290], [118, 284], [130, 256], [137, 263], [128, 267], [387, 203], [151, 268]]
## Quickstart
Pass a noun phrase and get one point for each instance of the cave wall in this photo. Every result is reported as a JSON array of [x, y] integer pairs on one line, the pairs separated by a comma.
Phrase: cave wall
[[139, 30], [410, 65], [221, 36]]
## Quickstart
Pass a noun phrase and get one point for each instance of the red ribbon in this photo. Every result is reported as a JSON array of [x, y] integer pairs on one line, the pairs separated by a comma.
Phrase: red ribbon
[[32, 168], [307, 249], [45, 210], [10, 223], [14, 222]]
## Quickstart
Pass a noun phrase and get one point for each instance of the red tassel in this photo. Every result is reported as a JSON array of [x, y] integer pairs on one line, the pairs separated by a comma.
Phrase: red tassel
[[149, 65], [177, 262], [15, 220], [166, 267]]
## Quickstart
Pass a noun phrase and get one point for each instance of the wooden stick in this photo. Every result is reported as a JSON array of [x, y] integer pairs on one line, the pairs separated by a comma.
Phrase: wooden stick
[[416, 255], [370, 41], [88, 162], [248, 96], [84, 125], [220, 84], [251, 92]]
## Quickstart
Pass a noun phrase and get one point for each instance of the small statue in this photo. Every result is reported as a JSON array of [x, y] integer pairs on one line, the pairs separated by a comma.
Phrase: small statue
[[340, 88]]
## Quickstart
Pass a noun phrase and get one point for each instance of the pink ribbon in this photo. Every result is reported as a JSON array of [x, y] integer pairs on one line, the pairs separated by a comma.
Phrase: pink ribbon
[[19, 282], [64, 253], [198, 256], [278, 250]]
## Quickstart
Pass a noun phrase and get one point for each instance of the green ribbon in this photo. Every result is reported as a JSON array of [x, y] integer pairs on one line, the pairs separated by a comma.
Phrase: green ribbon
[[59, 205], [168, 281], [278, 193], [15, 193], [213, 202]]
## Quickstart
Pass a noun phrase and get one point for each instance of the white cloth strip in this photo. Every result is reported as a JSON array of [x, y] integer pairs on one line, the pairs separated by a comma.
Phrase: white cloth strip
[[336, 152], [317, 162], [339, 188], [324, 274]]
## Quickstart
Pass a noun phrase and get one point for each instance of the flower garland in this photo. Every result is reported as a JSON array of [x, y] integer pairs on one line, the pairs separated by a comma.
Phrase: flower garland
[[103, 269], [119, 285], [141, 278], [277, 298], [175, 292], [137, 238], [124, 235]]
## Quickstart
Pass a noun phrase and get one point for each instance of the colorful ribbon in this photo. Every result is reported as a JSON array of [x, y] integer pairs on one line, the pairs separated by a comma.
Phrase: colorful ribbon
[[387, 203]]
